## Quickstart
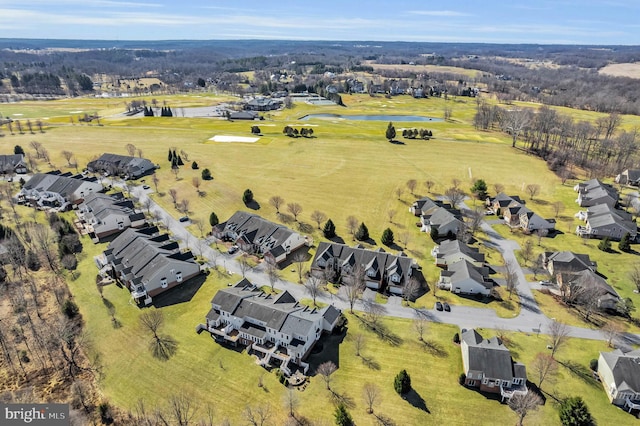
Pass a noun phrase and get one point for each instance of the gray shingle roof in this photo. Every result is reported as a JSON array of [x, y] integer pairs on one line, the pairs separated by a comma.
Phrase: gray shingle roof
[[625, 368], [449, 247], [491, 357]]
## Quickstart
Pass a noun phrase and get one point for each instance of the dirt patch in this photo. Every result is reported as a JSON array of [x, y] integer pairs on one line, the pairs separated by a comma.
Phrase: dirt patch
[[631, 70]]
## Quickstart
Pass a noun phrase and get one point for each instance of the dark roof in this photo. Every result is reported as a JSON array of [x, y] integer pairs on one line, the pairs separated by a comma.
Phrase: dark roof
[[625, 368], [567, 261], [330, 314], [462, 270], [456, 246], [491, 357], [253, 329], [116, 163], [10, 162]]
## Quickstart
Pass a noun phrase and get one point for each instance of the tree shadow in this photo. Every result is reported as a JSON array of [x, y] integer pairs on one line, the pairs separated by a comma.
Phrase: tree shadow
[[342, 398], [253, 205], [580, 371], [163, 347], [384, 420], [435, 348], [305, 227], [394, 246], [285, 218], [371, 363], [337, 239], [414, 398], [381, 331]]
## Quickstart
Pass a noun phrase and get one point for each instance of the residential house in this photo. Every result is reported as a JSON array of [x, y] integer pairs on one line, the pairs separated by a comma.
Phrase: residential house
[[488, 366], [381, 270], [517, 215], [606, 221], [532, 222], [13, 163], [276, 328], [256, 235], [502, 201], [511, 214], [629, 177], [462, 277], [619, 374], [447, 221], [559, 262], [121, 165], [574, 272], [102, 215], [147, 263], [594, 192], [424, 205], [451, 251], [57, 191]]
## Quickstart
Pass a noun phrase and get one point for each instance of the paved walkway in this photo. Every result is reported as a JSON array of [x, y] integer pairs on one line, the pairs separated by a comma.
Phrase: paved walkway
[[529, 320]]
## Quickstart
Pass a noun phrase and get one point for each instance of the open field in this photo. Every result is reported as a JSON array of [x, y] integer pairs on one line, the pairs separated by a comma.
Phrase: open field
[[347, 168], [631, 70], [201, 367]]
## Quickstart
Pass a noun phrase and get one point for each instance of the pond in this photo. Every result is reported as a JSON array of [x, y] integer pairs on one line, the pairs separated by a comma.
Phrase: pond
[[371, 117]]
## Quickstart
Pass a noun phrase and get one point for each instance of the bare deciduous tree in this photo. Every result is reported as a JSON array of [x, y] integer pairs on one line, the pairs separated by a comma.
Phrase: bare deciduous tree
[[371, 393], [352, 224], [300, 258], [510, 277], [131, 149], [558, 336], [411, 185], [527, 251], [391, 213], [373, 313], [183, 206], [314, 287], [634, 275], [318, 217], [420, 325], [428, 184], [257, 416], [612, 331], [68, 155], [515, 121], [533, 189], [276, 201], [411, 289], [558, 207], [326, 369], [544, 367], [243, 261], [182, 409], [399, 191], [196, 182], [273, 274], [359, 343], [354, 286], [454, 195], [498, 188], [523, 404], [173, 193], [295, 209]]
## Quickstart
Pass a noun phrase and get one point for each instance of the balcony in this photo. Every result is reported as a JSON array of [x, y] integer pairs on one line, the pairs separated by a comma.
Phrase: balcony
[[511, 391]]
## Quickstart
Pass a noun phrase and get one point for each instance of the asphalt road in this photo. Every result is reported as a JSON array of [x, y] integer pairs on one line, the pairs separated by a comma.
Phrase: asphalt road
[[530, 319]]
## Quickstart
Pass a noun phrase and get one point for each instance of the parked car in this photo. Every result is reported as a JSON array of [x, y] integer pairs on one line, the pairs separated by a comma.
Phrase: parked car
[[184, 219], [233, 249], [439, 306], [145, 187], [447, 307], [546, 283]]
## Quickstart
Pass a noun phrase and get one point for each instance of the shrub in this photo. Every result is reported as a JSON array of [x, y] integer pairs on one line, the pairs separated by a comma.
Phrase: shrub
[[206, 174], [32, 261], [434, 234], [70, 309], [69, 262], [625, 243], [456, 338], [213, 219], [462, 378], [247, 196], [402, 382], [593, 365]]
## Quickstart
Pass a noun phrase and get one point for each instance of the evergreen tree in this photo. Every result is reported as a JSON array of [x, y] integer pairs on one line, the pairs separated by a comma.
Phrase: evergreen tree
[[479, 189], [329, 229], [402, 382], [18, 150], [391, 132], [387, 237], [362, 233], [179, 161], [625, 243], [213, 219], [605, 244], [434, 234], [247, 197], [194, 165], [574, 412], [170, 157], [342, 416], [206, 174]]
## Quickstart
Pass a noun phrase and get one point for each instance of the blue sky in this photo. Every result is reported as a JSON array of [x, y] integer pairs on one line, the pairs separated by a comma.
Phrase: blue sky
[[492, 21]]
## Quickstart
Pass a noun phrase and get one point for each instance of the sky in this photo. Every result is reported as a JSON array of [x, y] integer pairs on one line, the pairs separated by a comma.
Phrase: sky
[[599, 22]]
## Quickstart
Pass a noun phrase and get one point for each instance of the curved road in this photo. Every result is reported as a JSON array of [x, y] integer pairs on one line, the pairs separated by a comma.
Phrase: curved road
[[530, 320]]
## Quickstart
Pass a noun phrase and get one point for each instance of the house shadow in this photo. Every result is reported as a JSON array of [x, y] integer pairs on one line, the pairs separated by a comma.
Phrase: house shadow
[[414, 398], [291, 258], [337, 239], [253, 205], [554, 233], [326, 349], [181, 293]]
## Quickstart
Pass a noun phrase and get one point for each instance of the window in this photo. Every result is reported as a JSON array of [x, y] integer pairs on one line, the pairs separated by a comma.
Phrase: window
[[179, 277], [163, 282]]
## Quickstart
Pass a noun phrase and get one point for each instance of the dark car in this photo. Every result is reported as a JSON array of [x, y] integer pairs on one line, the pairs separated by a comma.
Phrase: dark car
[[447, 307], [145, 187], [233, 249], [184, 219], [439, 306]]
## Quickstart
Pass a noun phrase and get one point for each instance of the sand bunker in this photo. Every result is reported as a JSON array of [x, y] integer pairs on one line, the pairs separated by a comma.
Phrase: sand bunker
[[223, 138]]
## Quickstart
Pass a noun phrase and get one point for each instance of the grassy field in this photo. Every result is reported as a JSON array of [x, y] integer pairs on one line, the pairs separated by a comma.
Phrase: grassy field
[[201, 369], [347, 168]]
